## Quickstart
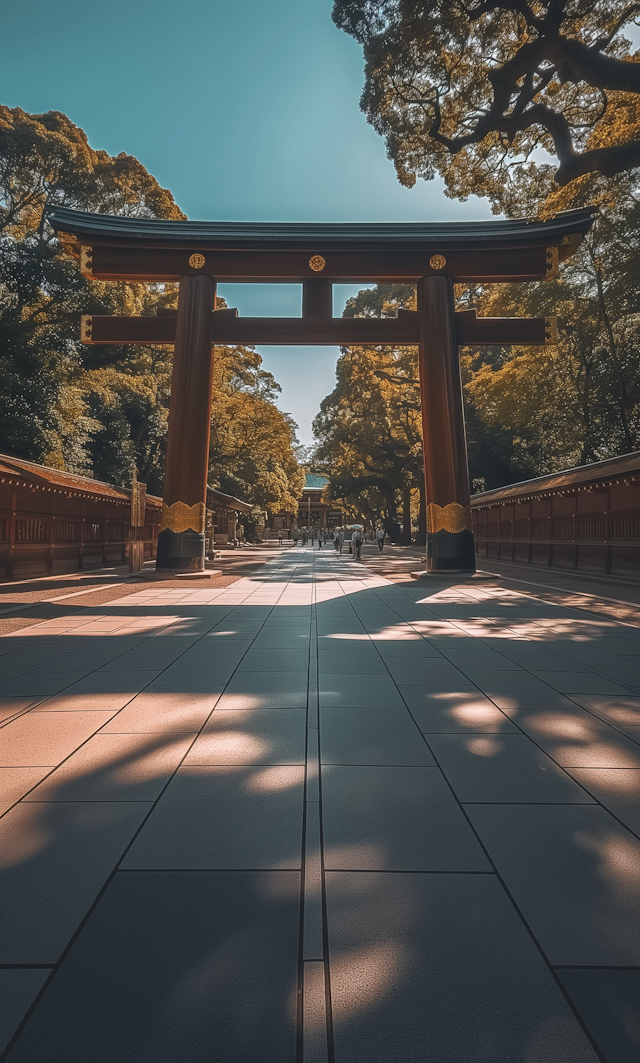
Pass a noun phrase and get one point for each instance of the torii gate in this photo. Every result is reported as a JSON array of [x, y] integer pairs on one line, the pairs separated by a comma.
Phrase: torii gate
[[432, 255]]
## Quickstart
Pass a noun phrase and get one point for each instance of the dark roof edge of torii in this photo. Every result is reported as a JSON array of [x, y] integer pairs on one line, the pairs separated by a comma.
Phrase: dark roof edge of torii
[[353, 236]]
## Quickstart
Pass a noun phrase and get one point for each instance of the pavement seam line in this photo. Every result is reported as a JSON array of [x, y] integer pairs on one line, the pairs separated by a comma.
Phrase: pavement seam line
[[316, 1036]]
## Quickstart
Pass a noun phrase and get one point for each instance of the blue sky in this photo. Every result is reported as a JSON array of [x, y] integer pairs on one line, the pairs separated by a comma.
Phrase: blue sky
[[245, 109]]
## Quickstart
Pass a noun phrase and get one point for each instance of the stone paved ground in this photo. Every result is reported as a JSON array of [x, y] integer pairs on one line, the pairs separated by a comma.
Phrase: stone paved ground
[[324, 816]]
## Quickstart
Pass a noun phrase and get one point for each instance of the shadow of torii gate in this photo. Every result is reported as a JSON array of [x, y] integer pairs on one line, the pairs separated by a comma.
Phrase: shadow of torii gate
[[432, 255]]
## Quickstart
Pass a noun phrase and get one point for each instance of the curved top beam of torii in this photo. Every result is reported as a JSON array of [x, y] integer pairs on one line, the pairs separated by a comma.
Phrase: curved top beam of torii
[[111, 247]]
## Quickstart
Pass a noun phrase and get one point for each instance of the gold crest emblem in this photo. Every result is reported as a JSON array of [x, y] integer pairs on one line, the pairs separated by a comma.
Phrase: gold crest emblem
[[317, 263], [437, 262], [197, 261]]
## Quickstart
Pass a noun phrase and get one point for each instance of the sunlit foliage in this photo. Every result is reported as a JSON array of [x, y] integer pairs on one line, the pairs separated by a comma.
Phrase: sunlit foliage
[[470, 89], [103, 411]]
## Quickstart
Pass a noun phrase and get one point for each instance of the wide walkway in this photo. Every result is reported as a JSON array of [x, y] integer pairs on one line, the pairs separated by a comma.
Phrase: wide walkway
[[323, 817]]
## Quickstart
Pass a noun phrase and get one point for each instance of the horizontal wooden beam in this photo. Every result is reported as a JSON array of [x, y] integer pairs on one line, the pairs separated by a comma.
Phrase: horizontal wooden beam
[[105, 262], [504, 331], [400, 331]]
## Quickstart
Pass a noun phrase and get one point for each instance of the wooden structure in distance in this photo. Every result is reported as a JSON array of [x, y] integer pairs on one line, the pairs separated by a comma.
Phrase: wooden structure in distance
[[432, 255]]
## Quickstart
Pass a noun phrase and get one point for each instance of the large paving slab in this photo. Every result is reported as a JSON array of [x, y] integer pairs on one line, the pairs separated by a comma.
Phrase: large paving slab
[[574, 873], [55, 858], [608, 1001], [440, 967], [224, 809], [177, 966], [395, 819], [224, 816]]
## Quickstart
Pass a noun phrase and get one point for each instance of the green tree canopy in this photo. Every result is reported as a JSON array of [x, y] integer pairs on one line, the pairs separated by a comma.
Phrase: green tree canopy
[[103, 410], [579, 400], [529, 410], [368, 429], [471, 88], [95, 410], [253, 443]]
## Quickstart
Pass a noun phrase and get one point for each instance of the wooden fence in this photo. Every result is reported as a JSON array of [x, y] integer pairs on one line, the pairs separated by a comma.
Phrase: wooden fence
[[586, 518], [53, 522]]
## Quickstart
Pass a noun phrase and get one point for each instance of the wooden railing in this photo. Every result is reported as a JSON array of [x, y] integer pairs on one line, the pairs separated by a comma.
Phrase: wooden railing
[[42, 543]]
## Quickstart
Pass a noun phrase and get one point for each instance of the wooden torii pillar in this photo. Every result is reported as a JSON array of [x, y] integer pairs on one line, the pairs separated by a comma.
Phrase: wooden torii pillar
[[450, 545], [181, 542]]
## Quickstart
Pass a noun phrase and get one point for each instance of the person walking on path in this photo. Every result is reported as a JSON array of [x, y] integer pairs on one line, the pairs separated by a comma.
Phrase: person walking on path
[[339, 540], [280, 537], [320, 542], [357, 544], [380, 538]]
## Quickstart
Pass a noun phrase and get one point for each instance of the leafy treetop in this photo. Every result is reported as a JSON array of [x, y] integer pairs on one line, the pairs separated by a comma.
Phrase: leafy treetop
[[103, 411], [470, 89]]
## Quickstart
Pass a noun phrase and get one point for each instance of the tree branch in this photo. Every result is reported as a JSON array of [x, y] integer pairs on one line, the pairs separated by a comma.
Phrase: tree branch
[[519, 7], [396, 379], [577, 62], [607, 161], [626, 16]]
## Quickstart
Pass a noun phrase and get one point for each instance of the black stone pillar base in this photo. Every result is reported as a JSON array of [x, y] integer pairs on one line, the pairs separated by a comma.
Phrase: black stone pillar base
[[450, 552], [180, 551]]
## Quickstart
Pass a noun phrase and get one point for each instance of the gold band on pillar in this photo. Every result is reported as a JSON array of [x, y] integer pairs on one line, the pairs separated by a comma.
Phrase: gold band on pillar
[[452, 518], [181, 518]]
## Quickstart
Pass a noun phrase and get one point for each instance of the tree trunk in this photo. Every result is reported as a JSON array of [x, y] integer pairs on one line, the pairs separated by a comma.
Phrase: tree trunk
[[421, 537], [406, 515], [613, 353]]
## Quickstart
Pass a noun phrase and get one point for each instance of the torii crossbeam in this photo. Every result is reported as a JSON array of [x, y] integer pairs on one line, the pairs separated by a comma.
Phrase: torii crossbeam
[[434, 256]]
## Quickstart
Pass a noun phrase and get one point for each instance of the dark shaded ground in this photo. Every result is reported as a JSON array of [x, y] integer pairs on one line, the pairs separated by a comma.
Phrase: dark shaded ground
[[322, 816]]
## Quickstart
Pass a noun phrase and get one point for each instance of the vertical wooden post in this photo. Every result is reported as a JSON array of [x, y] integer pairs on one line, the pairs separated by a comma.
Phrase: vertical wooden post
[[81, 547], [317, 297], [449, 537], [181, 542], [52, 536], [12, 535]]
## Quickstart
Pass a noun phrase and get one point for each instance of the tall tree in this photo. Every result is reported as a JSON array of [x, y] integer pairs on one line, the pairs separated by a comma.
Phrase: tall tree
[[62, 403], [253, 443], [369, 428], [103, 410], [528, 410], [471, 89], [578, 401]]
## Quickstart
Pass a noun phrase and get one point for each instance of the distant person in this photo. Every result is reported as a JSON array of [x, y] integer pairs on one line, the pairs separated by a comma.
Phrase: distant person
[[357, 544], [340, 541], [280, 537], [380, 538]]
